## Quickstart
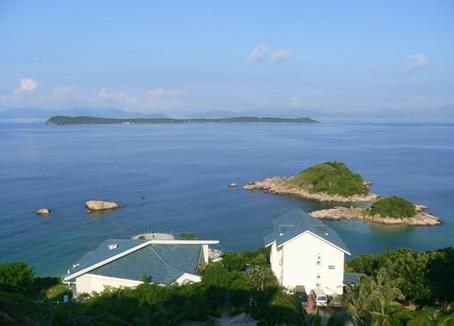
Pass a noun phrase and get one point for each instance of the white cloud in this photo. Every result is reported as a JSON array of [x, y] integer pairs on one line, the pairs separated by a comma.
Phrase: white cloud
[[27, 86], [162, 93], [106, 96], [280, 56], [63, 91], [296, 102], [259, 53], [416, 62], [164, 98]]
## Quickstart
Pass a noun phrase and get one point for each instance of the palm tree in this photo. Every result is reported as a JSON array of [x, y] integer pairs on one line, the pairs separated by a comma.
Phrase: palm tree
[[431, 317], [374, 301], [260, 278]]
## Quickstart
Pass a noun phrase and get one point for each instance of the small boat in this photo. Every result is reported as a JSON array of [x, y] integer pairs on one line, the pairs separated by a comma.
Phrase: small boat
[[232, 185]]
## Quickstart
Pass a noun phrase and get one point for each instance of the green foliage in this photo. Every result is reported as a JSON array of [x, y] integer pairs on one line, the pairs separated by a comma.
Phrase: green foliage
[[261, 278], [234, 261], [364, 264], [187, 236], [441, 274], [424, 277], [215, 274], [392, 206], [370, 301], [260, 256], [16, 276], [333, 178]]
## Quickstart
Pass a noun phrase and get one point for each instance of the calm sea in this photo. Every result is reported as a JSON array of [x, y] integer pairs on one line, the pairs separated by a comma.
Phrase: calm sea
[[174, 178]]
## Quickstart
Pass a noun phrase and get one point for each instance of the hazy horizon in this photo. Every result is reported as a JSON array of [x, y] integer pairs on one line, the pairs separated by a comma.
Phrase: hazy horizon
[[376, 59]]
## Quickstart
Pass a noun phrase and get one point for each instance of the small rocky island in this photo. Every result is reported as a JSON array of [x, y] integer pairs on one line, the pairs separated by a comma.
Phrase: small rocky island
[[100, 205], [329, 181], [391, 210]]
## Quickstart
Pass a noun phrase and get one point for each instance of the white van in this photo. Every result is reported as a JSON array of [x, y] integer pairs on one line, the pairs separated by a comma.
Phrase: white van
[[319, 297]]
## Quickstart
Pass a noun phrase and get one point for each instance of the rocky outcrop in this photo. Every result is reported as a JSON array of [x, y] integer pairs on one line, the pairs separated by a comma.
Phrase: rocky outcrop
[[99, 205], [43, 211], [282, 186], [356, 213]]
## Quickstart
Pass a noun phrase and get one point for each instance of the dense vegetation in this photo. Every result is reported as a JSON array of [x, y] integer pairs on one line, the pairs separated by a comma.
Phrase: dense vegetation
[[64, 120], [403, 287], [392, 206], [333, 178], [399, 287]]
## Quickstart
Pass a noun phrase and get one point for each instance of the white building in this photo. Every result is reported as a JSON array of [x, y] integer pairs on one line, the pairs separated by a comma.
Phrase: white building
[[128, 263], [306, 252]]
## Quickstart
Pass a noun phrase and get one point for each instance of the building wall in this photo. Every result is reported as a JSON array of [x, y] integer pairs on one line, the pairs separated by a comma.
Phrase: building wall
[[276, 262], [312, 262], [88, 283]]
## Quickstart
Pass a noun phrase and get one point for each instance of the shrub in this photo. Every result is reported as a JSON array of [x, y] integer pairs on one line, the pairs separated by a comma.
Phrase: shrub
[[187, 236], [333, 178], [392, 206]]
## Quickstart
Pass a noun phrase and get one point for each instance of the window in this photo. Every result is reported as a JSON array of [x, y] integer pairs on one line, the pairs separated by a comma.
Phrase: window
[[331, 267]]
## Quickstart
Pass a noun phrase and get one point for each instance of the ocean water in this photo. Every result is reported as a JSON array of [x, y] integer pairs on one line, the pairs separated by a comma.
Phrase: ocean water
[[174, 178]]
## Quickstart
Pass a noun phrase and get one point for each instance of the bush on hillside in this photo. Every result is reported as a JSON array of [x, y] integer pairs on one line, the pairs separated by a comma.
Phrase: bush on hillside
[[333, 178], [392, 206]]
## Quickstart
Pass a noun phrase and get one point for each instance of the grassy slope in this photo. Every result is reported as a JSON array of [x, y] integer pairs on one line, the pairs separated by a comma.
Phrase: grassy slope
[[333, 178]]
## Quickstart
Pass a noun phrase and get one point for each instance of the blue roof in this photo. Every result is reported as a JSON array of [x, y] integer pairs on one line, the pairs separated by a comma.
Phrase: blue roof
[[351, 278], [295, 222], [159, 263], [102, 252]]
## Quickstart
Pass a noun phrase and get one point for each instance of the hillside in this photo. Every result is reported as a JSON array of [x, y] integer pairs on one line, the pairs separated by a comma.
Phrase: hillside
[[333, 178]]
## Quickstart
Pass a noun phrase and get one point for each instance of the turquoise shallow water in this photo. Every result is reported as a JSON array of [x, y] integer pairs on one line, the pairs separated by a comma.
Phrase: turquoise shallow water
[[174, 179]]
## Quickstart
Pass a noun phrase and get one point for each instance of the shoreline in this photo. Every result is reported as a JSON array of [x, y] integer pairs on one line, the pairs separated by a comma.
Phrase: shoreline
[[280, 185], [345, 213]]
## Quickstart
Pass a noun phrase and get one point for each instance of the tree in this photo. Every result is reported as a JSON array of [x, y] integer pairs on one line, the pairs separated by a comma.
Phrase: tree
[[215, 274], [16, 276], [440, 274], [408, 272], [234, 261]]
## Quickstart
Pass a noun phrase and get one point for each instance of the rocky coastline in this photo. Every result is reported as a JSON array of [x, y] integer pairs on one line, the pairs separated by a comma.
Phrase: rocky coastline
[[422, 218], [280, 185]]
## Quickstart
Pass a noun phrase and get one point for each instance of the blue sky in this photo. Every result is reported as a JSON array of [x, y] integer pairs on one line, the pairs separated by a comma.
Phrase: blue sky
[[180, 57]]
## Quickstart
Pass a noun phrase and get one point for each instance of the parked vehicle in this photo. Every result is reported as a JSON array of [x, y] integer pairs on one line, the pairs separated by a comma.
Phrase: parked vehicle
[[320, 298], [335, 302], [300, 292]]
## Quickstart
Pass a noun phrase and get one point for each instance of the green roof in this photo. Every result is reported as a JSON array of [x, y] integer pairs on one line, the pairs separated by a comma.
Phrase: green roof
[[159, 263], [296, 222]]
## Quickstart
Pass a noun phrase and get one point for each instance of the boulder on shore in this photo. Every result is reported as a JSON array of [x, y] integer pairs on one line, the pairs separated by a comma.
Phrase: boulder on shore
[[99, 205], [43, 211]]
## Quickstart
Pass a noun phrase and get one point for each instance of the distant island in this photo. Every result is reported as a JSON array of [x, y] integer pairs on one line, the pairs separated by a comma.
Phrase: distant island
[[66, 120], [391, 210], [329, 181]]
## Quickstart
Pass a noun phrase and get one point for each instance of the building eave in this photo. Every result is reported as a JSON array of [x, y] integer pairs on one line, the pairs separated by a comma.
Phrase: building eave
[[318, 237]]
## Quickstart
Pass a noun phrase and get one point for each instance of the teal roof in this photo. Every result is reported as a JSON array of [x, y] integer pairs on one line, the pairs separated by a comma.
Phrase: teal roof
[[295, 222], [159, 263]]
